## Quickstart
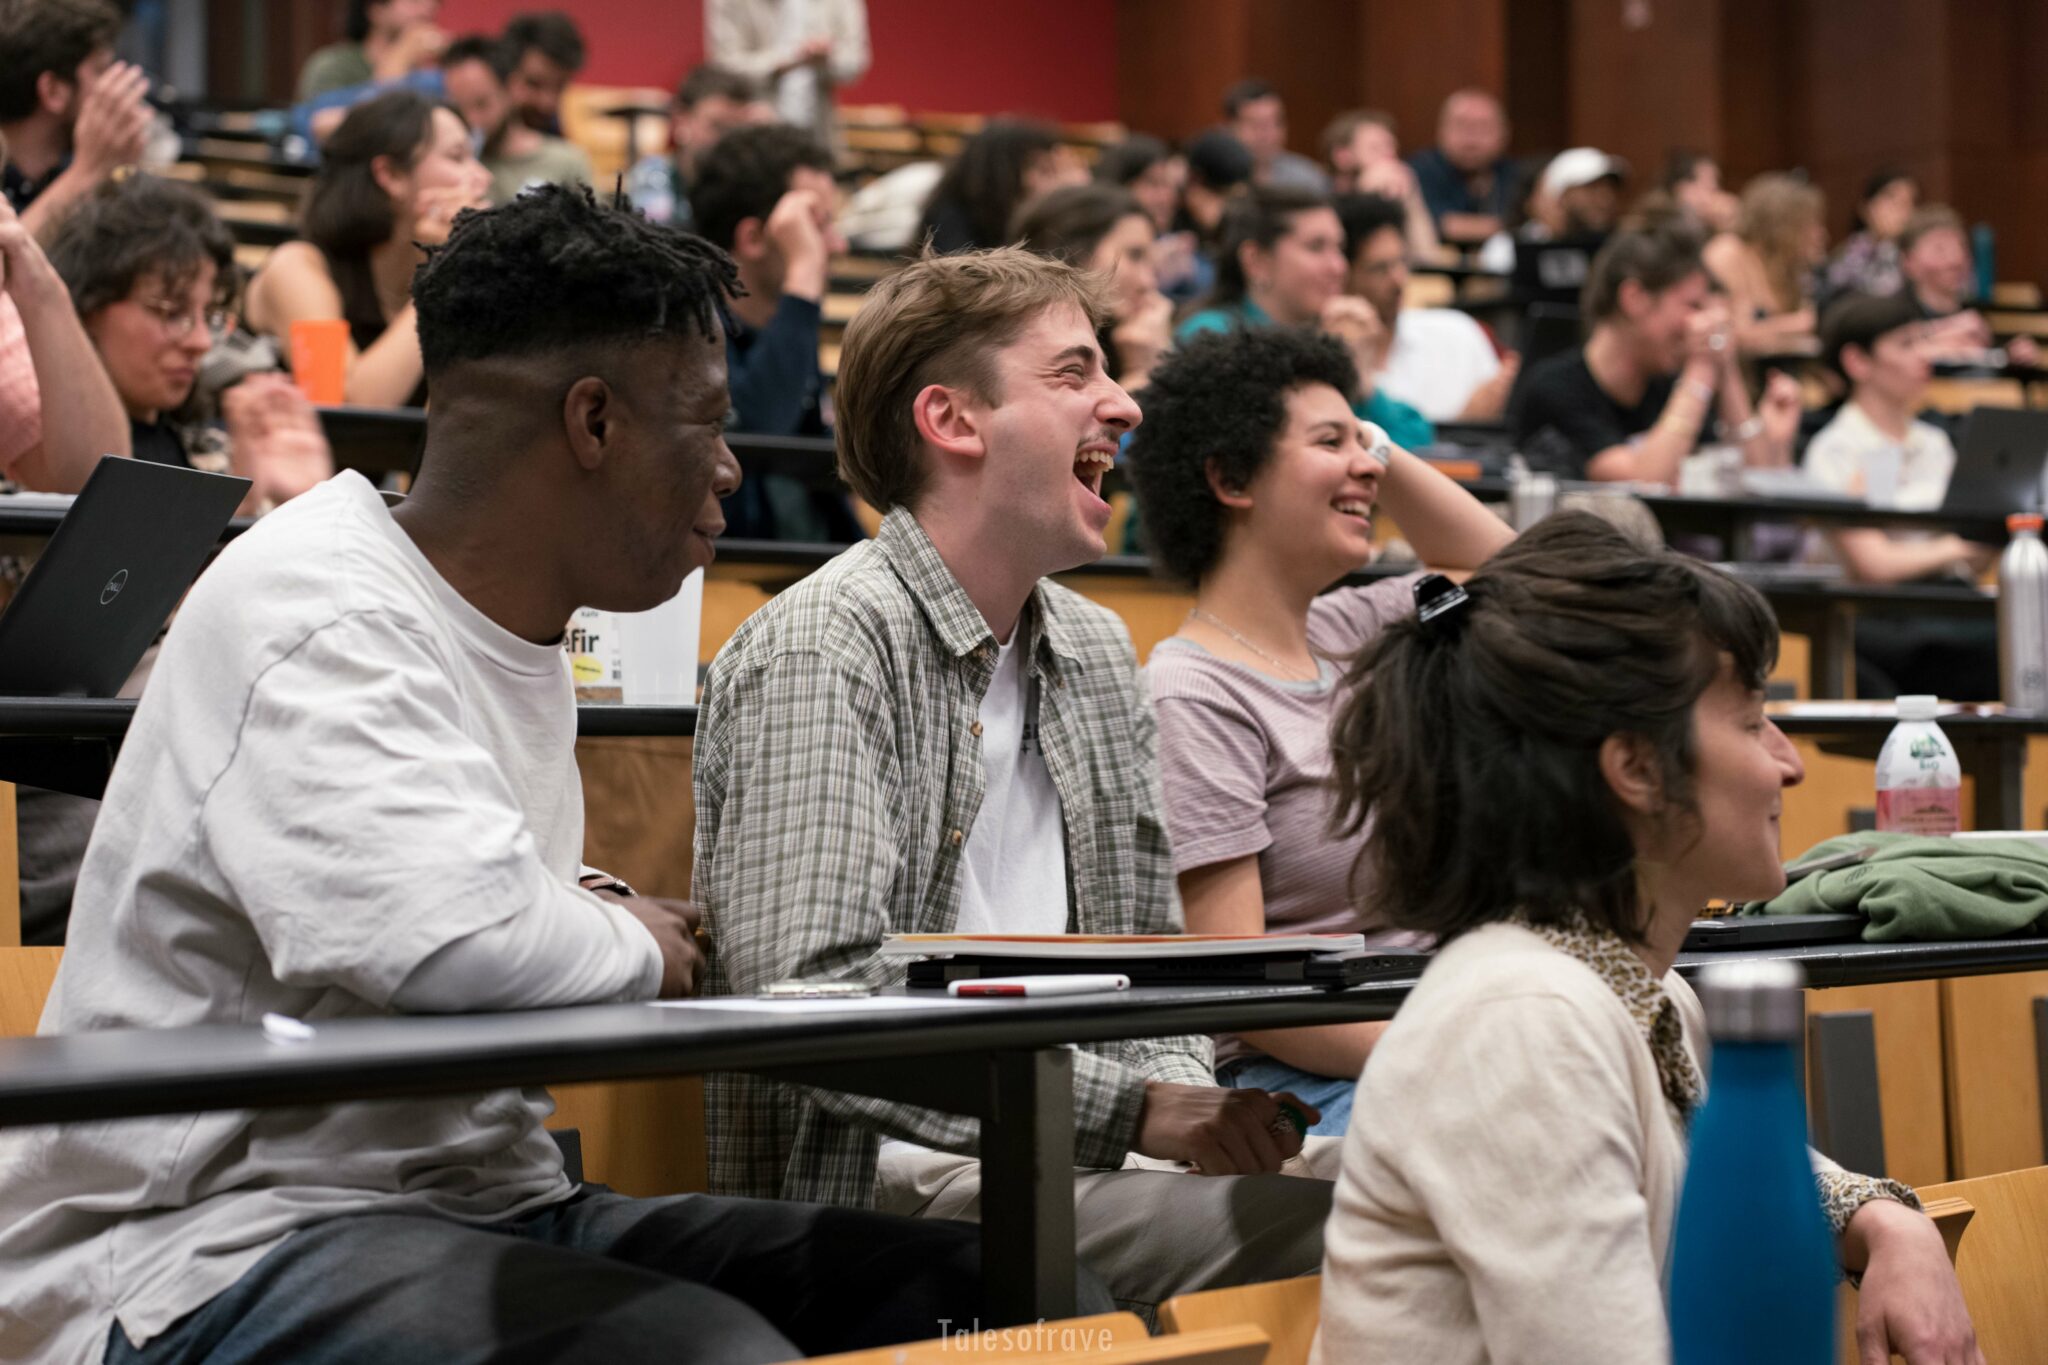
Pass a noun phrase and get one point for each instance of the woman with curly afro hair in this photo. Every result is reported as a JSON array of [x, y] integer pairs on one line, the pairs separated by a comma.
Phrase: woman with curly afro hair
[[1257, 485]]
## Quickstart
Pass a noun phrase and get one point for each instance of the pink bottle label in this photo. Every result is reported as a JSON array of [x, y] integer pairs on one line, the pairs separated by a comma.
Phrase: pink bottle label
[[1920, 810]]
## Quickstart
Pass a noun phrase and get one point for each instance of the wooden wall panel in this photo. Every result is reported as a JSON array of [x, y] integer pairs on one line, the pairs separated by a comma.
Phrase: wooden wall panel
[[1637, 92], [1309, 49], [1410, 56], [1538, 65], [1175, 58], [1994, 1094]]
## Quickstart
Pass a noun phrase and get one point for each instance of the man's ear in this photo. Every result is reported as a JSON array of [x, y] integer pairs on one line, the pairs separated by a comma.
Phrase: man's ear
[[1222, 491], [54, 94], [589, 412], [750, 239], [1629, 764], [949, 418]]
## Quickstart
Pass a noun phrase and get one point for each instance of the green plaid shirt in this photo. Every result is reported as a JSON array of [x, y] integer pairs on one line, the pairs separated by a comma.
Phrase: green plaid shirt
[[837, 775]]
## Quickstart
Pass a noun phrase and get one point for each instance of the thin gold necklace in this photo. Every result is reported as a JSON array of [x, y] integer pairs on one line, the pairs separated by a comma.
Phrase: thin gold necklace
[[1287, 670]]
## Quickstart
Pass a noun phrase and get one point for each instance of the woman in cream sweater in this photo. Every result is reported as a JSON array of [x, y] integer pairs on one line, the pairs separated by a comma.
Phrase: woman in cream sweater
[[1563, 760]]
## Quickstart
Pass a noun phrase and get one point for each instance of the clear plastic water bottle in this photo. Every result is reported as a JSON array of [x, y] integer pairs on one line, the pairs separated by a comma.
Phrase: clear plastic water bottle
[[1919, 779], [2023, 616], [1752, 1259]]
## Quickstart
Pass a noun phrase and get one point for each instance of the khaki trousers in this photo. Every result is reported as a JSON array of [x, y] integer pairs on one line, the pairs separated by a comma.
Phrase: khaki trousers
[[1152, 1230]]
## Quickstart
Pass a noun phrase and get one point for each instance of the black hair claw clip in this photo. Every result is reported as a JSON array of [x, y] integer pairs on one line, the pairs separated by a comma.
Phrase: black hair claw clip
[[1439, 603]]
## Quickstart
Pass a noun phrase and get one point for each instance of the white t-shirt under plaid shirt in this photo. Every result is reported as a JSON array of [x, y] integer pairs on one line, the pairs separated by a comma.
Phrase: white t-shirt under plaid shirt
[[837, 775]]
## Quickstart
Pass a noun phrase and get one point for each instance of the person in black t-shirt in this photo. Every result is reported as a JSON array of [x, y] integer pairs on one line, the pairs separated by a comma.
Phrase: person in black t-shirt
[[1633, 402]]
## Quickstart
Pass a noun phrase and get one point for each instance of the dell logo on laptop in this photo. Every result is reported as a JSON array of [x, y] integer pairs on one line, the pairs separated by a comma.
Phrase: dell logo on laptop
[[113, 588]]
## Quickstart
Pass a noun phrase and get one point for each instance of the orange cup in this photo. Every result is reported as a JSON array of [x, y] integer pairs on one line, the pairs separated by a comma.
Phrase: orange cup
[[320, 358]]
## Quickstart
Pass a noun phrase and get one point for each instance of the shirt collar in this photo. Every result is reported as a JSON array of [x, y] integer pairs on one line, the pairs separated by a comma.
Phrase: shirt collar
[[954, 618], [1625, 973]]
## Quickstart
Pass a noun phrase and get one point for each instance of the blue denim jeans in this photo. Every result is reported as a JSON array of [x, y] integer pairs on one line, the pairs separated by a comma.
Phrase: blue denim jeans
[[600, 1278], [1331, 1094]]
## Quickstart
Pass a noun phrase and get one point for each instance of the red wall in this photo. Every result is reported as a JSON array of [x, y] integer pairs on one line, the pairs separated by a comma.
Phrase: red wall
[[1054, 58]]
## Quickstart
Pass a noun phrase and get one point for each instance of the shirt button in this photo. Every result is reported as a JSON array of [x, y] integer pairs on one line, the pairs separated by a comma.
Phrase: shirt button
[[975, 729], [956, 838]]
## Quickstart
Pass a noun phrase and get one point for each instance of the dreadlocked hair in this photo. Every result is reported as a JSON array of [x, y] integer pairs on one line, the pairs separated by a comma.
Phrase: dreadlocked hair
[[555, 269]]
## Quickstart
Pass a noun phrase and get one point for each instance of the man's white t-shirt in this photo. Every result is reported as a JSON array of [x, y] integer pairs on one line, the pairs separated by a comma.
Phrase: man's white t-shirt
[[1438, 357], [1851, 455], [1014, 873], [340, 770]]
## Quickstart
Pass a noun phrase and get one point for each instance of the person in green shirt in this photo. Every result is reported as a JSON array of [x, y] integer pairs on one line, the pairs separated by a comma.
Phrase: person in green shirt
[[476, 73], [387, 39], [1282, 263]]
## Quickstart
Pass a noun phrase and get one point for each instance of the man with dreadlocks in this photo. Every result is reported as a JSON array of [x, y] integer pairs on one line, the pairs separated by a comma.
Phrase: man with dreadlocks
[[350, 792]]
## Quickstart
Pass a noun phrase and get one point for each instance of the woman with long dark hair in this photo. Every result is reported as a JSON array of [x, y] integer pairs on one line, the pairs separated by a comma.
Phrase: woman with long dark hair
[[1561, 761], [392, 178], [1000, 167]]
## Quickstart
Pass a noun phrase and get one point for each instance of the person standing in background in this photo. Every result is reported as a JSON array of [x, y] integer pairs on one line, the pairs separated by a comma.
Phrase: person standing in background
[[801, 51], [547, 52]]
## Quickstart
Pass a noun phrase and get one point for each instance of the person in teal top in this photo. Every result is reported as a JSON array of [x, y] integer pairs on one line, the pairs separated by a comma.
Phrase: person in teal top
[[1282, 263]]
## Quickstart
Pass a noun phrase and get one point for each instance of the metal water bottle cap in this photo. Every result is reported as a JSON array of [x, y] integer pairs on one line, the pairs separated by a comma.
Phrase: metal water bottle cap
[[1761, 1001]]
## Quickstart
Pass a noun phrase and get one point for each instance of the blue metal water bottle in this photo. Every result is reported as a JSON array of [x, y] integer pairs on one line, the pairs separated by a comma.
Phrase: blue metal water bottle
[[1984, 255], [1752, 1258]]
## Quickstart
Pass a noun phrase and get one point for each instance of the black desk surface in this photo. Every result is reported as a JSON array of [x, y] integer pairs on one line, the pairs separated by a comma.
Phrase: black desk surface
[[132, 1072], [129, 1072], [1832, 718]]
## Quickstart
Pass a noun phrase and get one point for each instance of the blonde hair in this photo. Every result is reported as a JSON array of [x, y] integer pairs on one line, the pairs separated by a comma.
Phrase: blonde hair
[[939, 320], [1777, 210]]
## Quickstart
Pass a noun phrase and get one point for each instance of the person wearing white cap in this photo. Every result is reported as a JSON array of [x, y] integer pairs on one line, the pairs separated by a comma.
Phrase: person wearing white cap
[[1574, 208]]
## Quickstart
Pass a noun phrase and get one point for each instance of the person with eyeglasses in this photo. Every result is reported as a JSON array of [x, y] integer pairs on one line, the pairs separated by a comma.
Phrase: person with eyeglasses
[[152, 274]]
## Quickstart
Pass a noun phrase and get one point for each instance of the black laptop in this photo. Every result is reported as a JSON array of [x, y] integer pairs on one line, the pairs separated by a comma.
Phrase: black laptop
[[1999, 462], [136, 536]]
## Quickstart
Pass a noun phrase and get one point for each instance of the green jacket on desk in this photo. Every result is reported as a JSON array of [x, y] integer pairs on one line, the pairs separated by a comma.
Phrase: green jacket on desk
[[1916, 887]]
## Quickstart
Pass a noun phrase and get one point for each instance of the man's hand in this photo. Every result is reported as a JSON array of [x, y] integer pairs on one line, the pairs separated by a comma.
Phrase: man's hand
[[1388, 179], [1781, 407], [418, 47], [2024, 352], [113, 121], [1910, 1303], [801, 229], [1220, 1130], [674, 926], [275, 439], [434, 211], [1707, 337]]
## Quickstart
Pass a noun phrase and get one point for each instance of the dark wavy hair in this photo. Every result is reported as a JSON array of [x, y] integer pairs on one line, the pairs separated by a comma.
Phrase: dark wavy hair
[[745, 174], [551, 32], [522, 280], [1070, 221], [48, 35], [1261, 215], [346, 213], [1473, 746], [1219, 402], [1658, 254], [986, 180], [138, 226]]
